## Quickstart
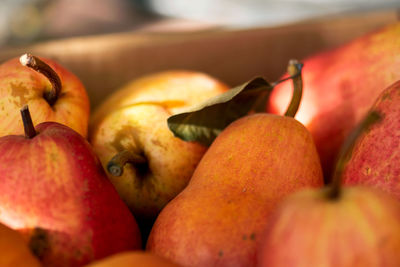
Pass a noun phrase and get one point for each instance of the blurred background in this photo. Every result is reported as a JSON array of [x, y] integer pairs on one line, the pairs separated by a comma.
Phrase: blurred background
[[27, 21]]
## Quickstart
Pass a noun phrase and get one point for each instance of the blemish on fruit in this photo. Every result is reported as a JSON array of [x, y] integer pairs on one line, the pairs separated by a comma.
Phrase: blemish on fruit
[[125, 135], [53, 156], [387, 96], [220, 253], [253, 236], [367, 170], [39, 242], [19, 91], [158, 143]]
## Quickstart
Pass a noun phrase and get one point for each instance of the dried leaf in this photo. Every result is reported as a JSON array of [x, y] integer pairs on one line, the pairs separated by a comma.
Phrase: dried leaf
[[204, 122]]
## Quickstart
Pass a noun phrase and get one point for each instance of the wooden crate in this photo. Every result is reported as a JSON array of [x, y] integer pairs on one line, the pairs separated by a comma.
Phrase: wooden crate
[[106, 62]]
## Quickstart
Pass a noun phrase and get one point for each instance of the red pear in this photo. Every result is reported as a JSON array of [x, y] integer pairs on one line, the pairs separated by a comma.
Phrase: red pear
[[375, 160], [52, 93], [54, 190], [340, 86], [358, 228]]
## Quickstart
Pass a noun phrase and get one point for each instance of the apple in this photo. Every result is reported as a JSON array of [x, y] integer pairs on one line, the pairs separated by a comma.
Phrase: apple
[[148, 165], [340, 85], [53, 189], [250, 167], [51, 91]]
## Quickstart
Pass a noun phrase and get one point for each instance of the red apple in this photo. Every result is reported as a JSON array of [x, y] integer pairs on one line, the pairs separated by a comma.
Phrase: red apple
[[54, 189], [52, 93]]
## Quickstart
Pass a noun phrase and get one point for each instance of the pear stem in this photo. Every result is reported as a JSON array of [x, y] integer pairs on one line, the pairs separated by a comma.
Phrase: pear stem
[[294, 70], [345, 152], [38, 65], [116, 165], [29, 129]]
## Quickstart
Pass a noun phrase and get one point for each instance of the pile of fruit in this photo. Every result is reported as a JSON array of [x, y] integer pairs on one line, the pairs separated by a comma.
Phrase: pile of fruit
[[176, 169]]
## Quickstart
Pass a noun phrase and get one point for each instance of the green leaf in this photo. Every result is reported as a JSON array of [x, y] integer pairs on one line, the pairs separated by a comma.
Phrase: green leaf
[[204, 122]]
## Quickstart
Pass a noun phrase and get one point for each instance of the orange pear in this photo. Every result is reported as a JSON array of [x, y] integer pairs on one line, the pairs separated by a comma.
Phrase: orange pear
[[249, 168]]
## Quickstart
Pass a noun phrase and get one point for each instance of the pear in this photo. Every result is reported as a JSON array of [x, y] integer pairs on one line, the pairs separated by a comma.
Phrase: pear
[[14, 250], [375, 160], [51, 91], [53, 189], [358, 228], [340, 85], [249, 168], [146, 163]]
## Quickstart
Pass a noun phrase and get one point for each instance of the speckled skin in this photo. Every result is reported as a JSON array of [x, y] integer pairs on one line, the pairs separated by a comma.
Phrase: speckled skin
[[218, 218], [359, 229], [54, 181], [340, 86], [375, 160], [135, 118], [20, 85]]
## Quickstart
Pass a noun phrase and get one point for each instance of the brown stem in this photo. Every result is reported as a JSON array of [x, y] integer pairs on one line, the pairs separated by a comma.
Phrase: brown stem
[[294, 70], [30, 131], [116, 165], [345, 152], [41, 67]]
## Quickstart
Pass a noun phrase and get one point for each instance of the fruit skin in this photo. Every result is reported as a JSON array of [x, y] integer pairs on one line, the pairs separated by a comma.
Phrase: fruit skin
[[20, 85], [14, 251], [375, 159], [135, 118], [54, 190], [360, 228], [217, 219], [137, 259], [340, 85]]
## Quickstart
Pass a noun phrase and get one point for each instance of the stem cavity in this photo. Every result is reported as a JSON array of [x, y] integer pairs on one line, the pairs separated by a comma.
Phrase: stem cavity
[[294, 70], [41, 67], [345, 152], [29, 129], [116, 165]]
